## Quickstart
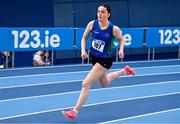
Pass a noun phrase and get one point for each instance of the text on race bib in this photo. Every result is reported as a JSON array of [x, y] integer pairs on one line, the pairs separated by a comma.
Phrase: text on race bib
[[98, 45]]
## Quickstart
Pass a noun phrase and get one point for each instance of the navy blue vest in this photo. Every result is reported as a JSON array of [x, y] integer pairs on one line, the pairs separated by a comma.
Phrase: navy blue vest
[[102, 40]]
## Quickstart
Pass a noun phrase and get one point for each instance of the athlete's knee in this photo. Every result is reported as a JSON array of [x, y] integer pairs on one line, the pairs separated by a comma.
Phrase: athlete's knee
[[86, 85]]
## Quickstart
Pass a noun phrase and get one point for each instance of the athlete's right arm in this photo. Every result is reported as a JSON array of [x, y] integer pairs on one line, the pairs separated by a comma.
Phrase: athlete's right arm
[[84, 39]]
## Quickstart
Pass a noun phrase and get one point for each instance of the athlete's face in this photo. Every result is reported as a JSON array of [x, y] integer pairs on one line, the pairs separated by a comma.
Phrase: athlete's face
[[102, 13]]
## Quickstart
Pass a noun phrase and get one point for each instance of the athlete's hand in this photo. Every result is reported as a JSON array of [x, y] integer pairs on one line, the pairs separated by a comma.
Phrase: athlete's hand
[[121, 54], [84, 55]]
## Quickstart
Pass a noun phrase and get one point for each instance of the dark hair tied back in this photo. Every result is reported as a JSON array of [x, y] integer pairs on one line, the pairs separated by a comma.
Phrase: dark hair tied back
[[108, 7]]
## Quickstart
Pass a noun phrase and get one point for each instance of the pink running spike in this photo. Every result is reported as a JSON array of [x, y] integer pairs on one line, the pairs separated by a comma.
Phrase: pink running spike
[[70, 114], [129, 70]]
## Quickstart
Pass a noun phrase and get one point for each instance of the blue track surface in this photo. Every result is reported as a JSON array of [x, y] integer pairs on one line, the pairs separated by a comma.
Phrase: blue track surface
[[37, 95]]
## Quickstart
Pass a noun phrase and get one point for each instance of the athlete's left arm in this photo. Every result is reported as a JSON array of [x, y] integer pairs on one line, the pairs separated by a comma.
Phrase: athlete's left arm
[[118, 34]]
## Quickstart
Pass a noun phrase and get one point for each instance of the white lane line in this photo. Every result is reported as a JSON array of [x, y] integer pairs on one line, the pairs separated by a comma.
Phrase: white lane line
[[138, 116], [77, 72], [70, 81], [92, 90], [88, 105]]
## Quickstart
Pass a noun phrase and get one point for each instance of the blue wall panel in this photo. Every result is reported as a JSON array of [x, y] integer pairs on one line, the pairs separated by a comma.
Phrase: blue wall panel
[[26, 13], [149, 13], [64, 16], [84, 12], [125, 13]]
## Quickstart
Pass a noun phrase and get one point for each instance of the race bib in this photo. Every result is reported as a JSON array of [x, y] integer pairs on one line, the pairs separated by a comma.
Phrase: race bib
[[98, 45]]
